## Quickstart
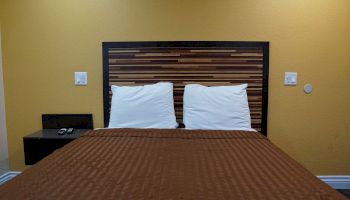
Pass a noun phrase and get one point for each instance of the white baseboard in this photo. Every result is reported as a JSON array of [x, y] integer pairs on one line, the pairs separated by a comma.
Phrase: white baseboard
[[7, 176], [336, 182]]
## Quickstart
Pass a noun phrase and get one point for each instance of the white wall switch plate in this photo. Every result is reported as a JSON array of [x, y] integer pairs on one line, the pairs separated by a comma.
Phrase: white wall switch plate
[[290, 78], [80, 78]]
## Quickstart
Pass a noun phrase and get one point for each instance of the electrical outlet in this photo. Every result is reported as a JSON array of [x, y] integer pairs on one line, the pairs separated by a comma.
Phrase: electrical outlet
[[290, 78], [80, 78]]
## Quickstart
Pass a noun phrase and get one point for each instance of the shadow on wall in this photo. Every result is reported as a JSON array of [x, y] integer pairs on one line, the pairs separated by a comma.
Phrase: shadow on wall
[[3, 134]]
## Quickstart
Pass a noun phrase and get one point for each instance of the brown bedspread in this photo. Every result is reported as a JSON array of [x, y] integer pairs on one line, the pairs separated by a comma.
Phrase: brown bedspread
[[168, 164]]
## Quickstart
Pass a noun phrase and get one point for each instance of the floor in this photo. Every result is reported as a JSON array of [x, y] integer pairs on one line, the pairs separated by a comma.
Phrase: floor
[[4, 168], [345, 192]]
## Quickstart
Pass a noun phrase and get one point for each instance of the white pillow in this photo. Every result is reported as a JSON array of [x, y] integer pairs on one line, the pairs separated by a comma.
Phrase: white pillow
[[148, 106], [216, 108]]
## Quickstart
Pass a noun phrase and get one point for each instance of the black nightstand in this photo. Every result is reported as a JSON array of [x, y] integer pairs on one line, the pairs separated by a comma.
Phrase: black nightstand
[[40, 144]]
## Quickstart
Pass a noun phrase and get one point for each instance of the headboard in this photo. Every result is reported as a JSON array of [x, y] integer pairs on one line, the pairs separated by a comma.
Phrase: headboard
[[206, 63]]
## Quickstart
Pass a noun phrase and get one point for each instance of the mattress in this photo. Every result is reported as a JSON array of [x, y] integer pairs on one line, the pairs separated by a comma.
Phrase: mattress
[[168, 164]]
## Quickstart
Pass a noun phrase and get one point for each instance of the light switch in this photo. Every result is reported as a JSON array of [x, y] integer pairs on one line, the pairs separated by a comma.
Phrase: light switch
[[290, 78], [80, 78]]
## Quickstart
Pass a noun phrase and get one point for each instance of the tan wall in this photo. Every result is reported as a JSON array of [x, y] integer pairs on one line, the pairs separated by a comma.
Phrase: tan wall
[[44, 42]]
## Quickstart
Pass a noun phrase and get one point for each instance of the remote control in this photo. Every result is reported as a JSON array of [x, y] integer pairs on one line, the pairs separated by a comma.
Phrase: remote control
[[70, 131], [62, 131]]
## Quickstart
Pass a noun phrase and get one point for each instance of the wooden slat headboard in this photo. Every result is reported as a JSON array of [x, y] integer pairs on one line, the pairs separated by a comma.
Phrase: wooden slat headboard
[[206, 63]]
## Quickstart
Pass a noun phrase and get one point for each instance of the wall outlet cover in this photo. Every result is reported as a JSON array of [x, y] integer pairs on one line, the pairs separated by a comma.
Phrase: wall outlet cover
[[80, 78], [290, 78]]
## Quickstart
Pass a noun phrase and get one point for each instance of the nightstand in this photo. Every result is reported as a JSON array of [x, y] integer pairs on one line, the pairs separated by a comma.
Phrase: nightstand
[[42, 143]]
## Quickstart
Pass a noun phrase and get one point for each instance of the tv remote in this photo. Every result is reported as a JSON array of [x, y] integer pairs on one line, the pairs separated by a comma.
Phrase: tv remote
[[62, 131], [70, 131]]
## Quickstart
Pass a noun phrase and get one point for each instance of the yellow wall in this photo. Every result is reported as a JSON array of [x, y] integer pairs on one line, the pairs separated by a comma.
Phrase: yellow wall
[[44, 42]]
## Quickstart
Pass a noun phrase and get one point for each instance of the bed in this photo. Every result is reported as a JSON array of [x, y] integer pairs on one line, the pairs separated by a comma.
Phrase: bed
[[175, 163]]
